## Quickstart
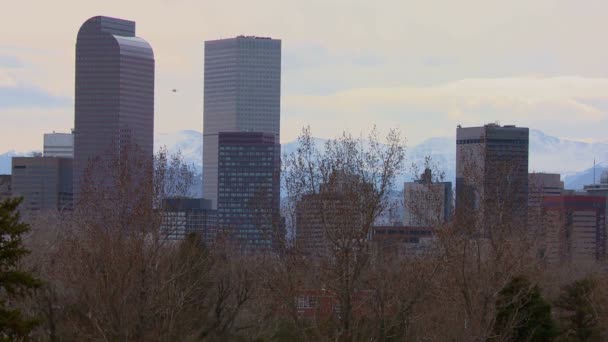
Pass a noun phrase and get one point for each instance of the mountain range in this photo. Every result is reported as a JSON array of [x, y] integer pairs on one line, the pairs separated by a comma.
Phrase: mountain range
[[572, 159]]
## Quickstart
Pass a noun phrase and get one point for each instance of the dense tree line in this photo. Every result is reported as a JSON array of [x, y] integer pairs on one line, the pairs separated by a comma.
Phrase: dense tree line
[[107, 272]]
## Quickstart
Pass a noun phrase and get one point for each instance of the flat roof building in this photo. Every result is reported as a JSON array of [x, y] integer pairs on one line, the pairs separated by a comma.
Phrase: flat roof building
[[45, 183], [248, 189], [58, 145], [184, 216], [242, 94], [492, 176], [427, 203]]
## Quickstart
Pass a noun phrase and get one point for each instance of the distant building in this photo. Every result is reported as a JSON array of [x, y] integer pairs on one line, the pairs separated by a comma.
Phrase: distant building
[[575, 228], [427, 203], [45, 183], [242, 94], [316, 214], [5, 187], [183, 216], [600, 189], [248, 189], [58, 145], [114, 93], [492, 174], [333, 213], [540, 186]]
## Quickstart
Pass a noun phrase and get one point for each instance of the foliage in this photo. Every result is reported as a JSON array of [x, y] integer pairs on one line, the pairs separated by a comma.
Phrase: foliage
[[14, 281], [580, 322], [522, 313]]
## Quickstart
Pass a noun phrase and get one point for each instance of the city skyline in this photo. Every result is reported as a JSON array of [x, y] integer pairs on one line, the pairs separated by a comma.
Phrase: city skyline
[[424, 77]]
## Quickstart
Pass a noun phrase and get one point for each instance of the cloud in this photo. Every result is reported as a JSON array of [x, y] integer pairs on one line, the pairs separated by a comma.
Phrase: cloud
[[20, 96], [556, 104], [10, 62]]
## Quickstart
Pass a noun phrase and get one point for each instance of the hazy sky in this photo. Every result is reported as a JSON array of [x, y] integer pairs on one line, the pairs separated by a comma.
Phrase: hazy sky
[[422, 66]]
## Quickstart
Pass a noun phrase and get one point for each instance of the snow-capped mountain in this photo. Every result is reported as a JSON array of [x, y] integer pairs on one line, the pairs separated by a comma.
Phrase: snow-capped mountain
[[5, 160], [189, 143], [572, 159]]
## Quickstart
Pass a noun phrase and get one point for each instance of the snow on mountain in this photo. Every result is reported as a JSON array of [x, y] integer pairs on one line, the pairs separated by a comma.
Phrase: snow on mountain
[[189, 143], [5, 160], [572, 159]]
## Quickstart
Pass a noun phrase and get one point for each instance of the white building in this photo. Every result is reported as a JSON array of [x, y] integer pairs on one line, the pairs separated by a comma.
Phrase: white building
[[59, 145]]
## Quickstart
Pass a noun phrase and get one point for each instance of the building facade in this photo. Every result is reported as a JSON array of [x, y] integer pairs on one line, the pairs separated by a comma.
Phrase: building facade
[[248, 189], [114, 95], [58, 145], [492, 175], [575, 228], [5, 187], [242, 94], [184, 216], [45, 183], [427, 203]]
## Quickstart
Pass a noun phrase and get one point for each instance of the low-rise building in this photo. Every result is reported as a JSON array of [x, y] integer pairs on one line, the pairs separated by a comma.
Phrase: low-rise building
[[45, 183]]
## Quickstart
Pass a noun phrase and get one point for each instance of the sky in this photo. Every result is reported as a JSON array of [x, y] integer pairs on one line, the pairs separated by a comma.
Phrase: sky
[[421, 66]]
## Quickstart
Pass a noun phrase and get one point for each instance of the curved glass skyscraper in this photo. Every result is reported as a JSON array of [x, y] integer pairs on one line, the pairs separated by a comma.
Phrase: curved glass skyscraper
[[114, 100]]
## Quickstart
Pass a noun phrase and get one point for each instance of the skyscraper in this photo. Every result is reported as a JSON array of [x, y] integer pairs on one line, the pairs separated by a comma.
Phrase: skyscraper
[[114, 100], [492, 175], [242, 94], [248, 191]]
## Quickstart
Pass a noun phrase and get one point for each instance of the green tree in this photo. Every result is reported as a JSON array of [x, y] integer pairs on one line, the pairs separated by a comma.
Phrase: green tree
[[580, 322], [522, 314], [15, 283]]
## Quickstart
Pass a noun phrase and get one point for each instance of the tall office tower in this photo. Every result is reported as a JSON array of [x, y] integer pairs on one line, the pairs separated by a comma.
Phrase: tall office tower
[[248, 191], [427, 203], [242, 94], [491, 177], [575, 228], [114, 102], [45, 183], [58, 145]]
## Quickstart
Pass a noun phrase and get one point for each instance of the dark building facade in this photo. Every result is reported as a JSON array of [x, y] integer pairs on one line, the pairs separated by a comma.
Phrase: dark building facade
[[492, 174], [5, 187], [184, 216], [45, 183], [114, 95], [242, 94], [248, 189]]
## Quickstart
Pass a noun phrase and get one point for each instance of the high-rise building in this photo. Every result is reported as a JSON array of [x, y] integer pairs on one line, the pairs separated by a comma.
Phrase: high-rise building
[[575, 228], [45, 183], [5, 187], [242, 94], [58, 145], [427, 203], [492, 175], [248, 189], [114, 98]]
